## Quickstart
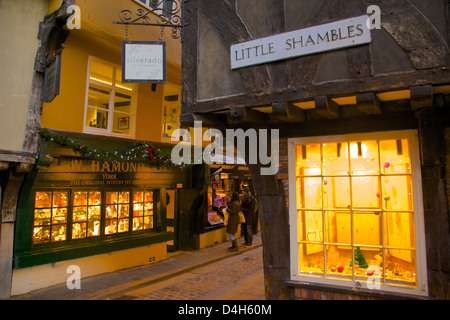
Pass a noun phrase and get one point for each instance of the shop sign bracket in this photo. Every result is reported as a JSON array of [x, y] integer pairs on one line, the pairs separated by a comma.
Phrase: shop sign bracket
[[159, 15]]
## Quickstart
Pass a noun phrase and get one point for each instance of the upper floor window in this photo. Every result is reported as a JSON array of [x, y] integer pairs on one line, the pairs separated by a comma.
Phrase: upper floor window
[[110, 104]]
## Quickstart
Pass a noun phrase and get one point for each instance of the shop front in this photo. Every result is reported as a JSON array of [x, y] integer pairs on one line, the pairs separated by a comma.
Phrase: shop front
[[97, 214]]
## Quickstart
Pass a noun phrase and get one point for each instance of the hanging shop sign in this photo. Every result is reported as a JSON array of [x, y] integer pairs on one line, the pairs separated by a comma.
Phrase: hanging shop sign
[[52, 79], [144, 61], [326, 37]]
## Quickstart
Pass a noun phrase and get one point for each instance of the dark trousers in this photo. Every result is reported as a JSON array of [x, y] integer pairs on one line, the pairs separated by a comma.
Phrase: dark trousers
[[247, 231]]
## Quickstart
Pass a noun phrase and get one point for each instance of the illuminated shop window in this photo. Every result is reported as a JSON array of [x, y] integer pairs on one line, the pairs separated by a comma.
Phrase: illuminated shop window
[[50, 216], [110, 104], [86, 214], [117, 212], [355, 213], [90, 214]]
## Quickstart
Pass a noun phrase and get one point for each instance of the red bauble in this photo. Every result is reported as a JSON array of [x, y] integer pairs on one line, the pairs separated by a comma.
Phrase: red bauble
[[369, 272], [387, 165], [340, 268]]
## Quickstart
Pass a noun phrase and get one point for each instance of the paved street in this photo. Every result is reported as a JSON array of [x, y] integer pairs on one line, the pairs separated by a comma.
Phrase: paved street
[[240, 277]]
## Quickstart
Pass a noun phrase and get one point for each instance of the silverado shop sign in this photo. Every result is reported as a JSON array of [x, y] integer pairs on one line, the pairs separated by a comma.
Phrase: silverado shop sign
[[326, 37]]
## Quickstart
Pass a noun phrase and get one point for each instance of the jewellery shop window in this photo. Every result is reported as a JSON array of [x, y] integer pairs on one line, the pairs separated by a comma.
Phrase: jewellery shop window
[[357, 212], [80, 214]]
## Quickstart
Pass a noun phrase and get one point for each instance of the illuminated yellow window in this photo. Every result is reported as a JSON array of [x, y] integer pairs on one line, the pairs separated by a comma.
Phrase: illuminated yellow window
[[355, 217], [142, 210], [110, 104]]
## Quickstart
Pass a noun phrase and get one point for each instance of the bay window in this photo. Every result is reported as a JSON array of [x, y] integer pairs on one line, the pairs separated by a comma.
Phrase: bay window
[[356, 211], [110, 104]]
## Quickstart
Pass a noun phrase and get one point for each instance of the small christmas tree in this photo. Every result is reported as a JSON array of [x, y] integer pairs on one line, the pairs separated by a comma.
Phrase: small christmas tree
[[359, 259]]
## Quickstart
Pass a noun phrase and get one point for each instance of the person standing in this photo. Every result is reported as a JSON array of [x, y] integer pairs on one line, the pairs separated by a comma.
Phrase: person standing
[[233, 220], [249, 210]]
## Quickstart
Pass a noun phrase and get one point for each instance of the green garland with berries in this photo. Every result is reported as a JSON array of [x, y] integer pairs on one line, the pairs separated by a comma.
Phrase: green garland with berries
[[139, 151]]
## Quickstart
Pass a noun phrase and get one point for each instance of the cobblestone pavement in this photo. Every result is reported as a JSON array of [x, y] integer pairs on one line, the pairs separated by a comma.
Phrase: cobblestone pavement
[[226, 276]]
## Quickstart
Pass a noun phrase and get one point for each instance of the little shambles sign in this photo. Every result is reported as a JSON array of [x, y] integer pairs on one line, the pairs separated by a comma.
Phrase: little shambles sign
[[144, 61], [326, 37]]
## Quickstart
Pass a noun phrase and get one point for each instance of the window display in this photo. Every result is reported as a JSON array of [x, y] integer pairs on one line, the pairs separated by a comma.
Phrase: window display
[[50, 216], [117, 212], [86, 214], [143, 210], [355, 211], [64, 215]]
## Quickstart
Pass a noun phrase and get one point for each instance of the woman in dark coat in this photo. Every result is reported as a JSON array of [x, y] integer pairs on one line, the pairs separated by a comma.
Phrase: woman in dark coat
[[233, 220]]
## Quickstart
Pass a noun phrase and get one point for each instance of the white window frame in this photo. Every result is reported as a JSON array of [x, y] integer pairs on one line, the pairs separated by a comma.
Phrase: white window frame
[[109, 130], [421, 274]]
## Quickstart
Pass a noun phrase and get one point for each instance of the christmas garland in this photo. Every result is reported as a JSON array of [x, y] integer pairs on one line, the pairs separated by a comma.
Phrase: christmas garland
[[139, 151]]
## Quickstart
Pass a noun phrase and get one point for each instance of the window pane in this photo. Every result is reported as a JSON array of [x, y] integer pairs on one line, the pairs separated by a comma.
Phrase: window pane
[[308, 160], [123, 123], [309, 193], [41, 235], [365, 193], [101, 72], [80, 198], [364, 157], [130, 87], [123, 225], [43, 200], [339, 259], [42, 217], [397, 193], [59, 233], [399, 230], [138, 224], [394, 156], [311, 259], [96, 118], [98, 97], [338, 226], [335, 158], [401, 267], [310, 226], [366, 228], [59, 216], [336, 192]]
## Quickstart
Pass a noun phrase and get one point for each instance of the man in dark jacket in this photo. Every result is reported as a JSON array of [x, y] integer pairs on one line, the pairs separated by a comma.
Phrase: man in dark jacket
[[249, 208]]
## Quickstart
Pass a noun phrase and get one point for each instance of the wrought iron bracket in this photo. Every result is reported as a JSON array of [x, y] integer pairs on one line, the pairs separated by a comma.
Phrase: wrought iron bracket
[[160, 15]]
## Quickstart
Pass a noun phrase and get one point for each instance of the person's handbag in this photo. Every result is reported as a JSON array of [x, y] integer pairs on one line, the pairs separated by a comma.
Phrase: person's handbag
[[241, 217], [225, 216]]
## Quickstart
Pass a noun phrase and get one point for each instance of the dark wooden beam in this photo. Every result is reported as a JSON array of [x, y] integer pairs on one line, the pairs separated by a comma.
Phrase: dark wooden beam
[[241, 114], [421, 96], [368, 103], [208, 119], [287, 112], [327, 107]]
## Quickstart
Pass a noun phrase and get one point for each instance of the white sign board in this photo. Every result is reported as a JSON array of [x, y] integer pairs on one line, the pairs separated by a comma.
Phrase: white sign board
[[326, 37], [143, 61]]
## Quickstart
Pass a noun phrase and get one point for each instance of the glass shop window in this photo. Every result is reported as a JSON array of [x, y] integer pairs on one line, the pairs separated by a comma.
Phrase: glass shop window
[[50, 216], [142, 210], [355, 214], [110, 104], [84, 214]]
